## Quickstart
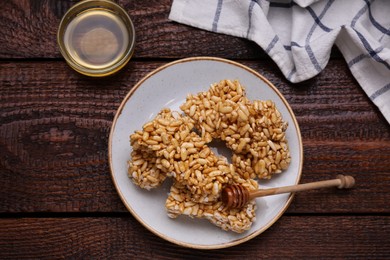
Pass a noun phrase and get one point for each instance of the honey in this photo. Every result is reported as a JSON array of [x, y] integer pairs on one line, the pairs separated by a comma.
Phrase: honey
[[96, 37]]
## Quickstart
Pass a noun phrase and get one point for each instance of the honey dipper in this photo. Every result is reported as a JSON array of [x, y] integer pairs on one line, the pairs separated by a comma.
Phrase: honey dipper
[[236, 196]]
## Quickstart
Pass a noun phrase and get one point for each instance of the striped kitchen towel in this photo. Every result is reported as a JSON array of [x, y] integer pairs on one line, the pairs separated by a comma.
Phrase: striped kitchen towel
[[298, 35]]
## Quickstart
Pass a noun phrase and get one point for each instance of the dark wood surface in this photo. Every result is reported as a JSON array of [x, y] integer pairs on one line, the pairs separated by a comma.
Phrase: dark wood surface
[[57, 199]]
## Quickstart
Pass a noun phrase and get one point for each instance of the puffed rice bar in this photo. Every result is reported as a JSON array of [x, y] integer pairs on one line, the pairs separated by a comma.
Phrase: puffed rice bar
[[254, 131], [179, 202]]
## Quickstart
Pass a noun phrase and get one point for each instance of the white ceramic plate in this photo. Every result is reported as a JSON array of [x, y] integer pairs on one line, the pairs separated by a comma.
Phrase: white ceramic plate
[[168, 86]]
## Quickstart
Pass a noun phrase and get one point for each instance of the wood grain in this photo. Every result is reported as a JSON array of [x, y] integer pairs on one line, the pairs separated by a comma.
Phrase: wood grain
[[330, 237], [55, 123]]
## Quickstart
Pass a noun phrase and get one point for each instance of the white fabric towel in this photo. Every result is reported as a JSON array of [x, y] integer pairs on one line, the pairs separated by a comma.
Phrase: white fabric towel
[[298, 35]]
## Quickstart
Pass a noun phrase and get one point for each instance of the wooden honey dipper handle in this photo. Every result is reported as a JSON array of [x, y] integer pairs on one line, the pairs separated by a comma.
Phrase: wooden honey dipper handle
[[236, 196], [342, 182]]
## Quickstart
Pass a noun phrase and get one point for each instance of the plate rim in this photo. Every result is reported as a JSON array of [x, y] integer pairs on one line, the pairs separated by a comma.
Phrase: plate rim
[[139, 219]]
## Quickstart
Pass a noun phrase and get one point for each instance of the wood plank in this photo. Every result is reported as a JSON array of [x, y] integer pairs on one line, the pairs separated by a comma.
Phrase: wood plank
[[55, 123], [333, 237], [157, 37]]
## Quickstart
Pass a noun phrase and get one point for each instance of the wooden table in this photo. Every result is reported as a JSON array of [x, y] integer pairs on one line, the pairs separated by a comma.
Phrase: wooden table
[[57, 199]]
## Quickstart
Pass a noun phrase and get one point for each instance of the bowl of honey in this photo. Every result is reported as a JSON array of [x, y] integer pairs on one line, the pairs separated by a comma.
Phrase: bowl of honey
[[96, 37]]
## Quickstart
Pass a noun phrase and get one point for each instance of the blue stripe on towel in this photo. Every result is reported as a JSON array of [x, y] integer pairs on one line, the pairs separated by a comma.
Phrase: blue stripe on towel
[[309, 51], [292, 72], [380, 92], [318, 20], [250, 11], [363, 56], [373, 54], [272, 44], [217, 15], [313, 58], [358, 15], [293, 44], [373, 21]]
